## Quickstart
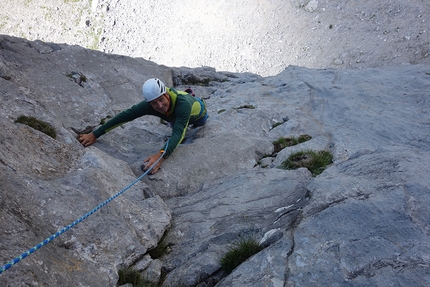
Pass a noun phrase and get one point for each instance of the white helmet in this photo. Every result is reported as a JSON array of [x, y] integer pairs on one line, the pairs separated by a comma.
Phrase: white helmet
[[152, 89]]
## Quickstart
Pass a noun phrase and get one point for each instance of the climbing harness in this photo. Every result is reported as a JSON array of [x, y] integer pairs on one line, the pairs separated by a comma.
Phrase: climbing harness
[[64, 229]]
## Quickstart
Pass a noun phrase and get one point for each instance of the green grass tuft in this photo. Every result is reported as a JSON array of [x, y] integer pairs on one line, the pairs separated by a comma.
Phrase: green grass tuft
[[282, 143], [39, 125], [238, 253], [315, 161]]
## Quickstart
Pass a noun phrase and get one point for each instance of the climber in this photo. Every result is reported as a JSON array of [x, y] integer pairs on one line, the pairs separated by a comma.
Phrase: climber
[[179, 108]]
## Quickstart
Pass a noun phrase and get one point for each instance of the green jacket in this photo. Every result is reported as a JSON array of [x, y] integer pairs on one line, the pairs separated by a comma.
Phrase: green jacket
[[184, 110]]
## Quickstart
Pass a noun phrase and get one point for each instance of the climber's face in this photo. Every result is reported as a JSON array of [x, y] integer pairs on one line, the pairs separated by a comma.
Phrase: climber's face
[[161, 104]]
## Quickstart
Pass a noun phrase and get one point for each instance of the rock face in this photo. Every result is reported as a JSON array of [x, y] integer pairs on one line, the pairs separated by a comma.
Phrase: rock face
[[363, 222]]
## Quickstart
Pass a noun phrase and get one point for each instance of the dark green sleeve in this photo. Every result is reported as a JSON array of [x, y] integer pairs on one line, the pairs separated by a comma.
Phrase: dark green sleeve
[[182, 118], [141, 109]]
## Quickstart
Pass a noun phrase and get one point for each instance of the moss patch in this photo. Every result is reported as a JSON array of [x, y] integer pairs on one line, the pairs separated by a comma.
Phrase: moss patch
[[282, 143], [315, 161], [39, 125]]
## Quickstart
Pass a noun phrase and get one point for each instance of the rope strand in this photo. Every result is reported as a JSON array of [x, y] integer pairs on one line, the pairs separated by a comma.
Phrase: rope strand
[[64, 229]]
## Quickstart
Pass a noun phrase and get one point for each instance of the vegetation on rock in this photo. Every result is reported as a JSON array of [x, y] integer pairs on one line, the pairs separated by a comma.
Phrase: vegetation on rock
[[315, 161], [36, 124], [282, 143], [238, 253]]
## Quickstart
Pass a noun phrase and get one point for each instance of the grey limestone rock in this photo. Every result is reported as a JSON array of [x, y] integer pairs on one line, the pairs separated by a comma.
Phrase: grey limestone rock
[[363, 222]]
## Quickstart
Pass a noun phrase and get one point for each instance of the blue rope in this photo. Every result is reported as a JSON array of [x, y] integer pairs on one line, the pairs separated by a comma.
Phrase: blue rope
[[64, 229]]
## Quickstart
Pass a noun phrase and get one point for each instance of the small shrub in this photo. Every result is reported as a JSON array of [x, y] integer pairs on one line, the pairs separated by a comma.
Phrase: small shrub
[[315, 162], [36, 124], [282, 143], [238, 253]]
